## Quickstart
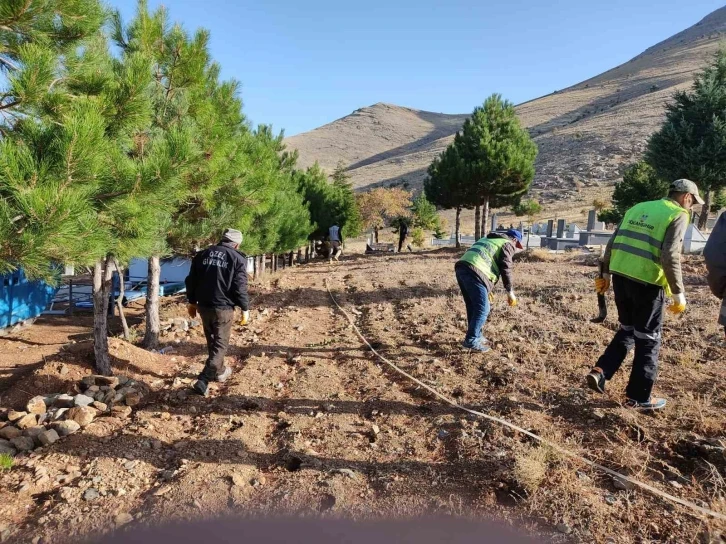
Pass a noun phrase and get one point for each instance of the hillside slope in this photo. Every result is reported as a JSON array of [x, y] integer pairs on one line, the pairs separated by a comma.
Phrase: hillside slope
[[585, 133]]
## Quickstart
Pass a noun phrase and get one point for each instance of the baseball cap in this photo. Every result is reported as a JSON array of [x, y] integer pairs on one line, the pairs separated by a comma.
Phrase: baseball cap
[[516, 235], [687, 186]]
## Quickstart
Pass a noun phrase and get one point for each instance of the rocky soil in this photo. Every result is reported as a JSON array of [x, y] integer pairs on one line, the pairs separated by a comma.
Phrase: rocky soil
[[311, 424]]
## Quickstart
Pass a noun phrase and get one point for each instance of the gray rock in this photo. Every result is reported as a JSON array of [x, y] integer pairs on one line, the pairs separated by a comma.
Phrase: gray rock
[[34, 432], [90, 494], [64, 428], [23, 443], [610, 499], [63, 401], [10, 432], [564, 528], [36, 405], [82, 400], [48, 437], [7, 448]]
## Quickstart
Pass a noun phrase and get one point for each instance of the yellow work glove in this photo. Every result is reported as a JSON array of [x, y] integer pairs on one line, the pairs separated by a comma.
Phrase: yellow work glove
[[245, 318], [602, 284], [679, 304], [491, 298], [511, 298], [192, 310]]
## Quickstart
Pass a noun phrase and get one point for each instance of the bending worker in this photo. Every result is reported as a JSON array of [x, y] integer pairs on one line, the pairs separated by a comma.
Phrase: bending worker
[[478, 270], [217, 282], [644, 258], [715, 255]]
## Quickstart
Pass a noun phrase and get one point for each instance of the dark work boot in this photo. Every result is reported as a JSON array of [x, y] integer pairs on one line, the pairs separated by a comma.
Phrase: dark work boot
[[200, 387], [596, 380]]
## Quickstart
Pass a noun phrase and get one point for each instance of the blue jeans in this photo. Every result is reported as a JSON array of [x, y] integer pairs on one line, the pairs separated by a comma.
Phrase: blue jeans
[[476, 298]]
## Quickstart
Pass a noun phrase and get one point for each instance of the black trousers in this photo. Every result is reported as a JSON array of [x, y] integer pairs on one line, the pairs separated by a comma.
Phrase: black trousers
[[640, 312], [217, 323]]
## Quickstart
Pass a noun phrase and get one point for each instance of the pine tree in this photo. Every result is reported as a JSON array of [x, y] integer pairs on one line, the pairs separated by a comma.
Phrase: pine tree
[[498, 154], [35, 35], [692, 140], [640, 183], [446, 184]]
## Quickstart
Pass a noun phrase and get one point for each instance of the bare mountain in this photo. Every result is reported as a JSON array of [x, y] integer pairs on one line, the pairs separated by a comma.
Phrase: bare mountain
[[585, 133]]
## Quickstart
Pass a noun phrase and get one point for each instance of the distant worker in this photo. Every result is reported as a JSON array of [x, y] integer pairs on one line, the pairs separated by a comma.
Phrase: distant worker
[[217, 282], [402, 234], [336, 241], [715, 255], [644, 258], [478, 270]]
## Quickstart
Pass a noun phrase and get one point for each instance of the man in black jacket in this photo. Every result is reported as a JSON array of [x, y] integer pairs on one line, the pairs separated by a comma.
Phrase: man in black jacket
[[217, 282]]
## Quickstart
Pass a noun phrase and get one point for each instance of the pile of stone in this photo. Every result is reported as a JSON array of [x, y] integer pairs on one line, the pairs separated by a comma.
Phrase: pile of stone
[[47, 419]]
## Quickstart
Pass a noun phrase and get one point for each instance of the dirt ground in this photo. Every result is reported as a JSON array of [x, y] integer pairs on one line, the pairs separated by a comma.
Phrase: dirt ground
[[311, 423]]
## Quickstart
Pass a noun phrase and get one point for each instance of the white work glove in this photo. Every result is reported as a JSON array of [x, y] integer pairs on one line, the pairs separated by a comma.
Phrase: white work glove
[[245, 318], [511, 298], [679, 304]]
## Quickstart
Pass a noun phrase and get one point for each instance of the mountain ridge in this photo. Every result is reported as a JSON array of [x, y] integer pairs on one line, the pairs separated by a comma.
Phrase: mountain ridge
[[586, 133]]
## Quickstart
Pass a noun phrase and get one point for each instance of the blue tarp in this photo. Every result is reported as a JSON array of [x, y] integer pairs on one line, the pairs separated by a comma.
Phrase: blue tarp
[[21, 299]]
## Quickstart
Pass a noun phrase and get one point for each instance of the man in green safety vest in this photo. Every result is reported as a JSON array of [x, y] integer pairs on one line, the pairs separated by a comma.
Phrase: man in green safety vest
[[478, 270], [644, 258]]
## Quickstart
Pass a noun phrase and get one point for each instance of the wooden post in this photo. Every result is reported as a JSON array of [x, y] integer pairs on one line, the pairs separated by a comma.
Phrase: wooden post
[[254, 267]]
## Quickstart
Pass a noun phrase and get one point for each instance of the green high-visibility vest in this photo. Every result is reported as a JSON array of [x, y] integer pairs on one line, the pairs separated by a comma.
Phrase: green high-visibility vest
[[638, 244], [483, 255]]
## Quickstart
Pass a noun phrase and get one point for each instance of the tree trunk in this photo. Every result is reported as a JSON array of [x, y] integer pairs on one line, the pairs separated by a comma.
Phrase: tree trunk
[[457, 225], [119, 300], [485, 217], [284, 264], [375, 235], [254, 267], [705, 209], [153, 325], [299, 256], [101, 281], [307, 253], [262, 264], [274, 262], [477, 223]]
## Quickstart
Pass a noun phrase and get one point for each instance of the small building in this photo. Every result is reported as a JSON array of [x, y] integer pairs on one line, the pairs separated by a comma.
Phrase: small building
[[21, 299]]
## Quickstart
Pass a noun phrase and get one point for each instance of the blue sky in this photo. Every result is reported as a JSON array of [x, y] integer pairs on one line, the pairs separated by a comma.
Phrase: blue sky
[[305, 63]]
